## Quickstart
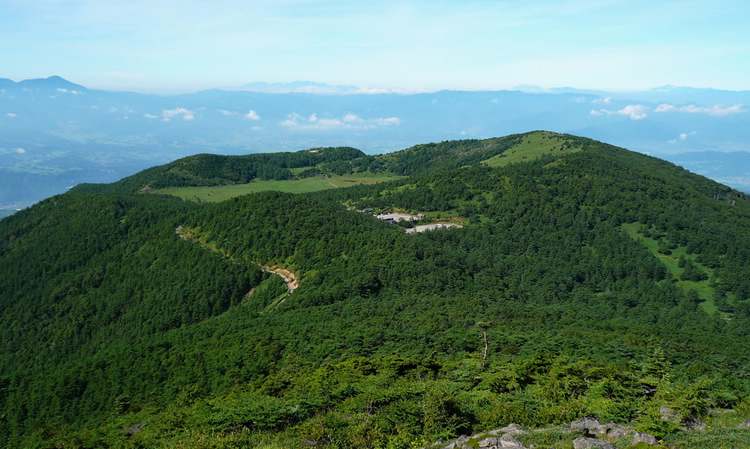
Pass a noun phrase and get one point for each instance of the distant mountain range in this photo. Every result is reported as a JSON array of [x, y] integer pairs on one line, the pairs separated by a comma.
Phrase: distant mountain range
[[55, 133]]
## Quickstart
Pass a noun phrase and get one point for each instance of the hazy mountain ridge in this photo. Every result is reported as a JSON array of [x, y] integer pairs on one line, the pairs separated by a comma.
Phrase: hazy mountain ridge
[[74, 134]]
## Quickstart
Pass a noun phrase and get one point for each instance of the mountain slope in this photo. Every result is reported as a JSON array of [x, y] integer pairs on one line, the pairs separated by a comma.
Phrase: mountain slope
[[214, 170], [548, 305]]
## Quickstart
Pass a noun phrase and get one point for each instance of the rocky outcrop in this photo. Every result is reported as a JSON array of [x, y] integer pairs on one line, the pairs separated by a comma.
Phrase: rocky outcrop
[[744, 424], [688, 423], [586, 443], [496, 439], [596, 436], [641, 437]]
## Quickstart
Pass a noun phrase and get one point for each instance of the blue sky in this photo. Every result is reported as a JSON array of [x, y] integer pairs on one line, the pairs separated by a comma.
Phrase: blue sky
[[187, 45]]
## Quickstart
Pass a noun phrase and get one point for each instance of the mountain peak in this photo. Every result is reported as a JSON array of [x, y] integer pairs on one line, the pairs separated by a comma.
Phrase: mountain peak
[[52, 82]]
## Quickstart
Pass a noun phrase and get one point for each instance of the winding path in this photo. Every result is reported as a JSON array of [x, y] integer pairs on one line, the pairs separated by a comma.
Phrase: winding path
[[290, 279]]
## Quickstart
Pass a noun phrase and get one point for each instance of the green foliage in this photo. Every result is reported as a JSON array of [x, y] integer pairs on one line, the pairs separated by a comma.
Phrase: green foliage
[[214, 170], [552, 303]]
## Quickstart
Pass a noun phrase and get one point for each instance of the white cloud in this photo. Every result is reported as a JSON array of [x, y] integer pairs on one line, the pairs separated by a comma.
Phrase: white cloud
[[388, 121], [605, 100], [348, 121], [225, 112], [11, 114], [329, 123], [170, 113], [634, 111], [292, 120], [74, 92], [684, 136], [20, 151], [152, 116], [252, 115], [715, 111], [352, 118]]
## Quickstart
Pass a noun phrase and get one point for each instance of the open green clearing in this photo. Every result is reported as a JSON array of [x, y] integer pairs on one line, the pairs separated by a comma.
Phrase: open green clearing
[[671, 261], [534, 146], [314, 184]]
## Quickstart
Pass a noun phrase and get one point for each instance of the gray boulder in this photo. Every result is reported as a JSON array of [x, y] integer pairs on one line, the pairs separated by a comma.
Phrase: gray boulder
[[508, 441], [617, 431], [667, 414], [585, 423], [693, 424], [641, 437], [744, 424], [512, 429], [488, 442], [460, 441], [590, 443]]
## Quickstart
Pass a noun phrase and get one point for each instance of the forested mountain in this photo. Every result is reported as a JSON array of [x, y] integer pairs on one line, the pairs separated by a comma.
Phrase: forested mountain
[[55, 134], [586, 280]]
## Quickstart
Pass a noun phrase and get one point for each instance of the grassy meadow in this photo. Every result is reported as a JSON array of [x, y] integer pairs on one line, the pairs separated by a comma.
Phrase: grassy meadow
[[534, 146], [314, 184]]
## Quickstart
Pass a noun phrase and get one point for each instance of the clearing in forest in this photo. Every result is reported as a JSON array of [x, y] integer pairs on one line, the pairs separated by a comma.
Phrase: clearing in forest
[[216, 194], [534, 146]]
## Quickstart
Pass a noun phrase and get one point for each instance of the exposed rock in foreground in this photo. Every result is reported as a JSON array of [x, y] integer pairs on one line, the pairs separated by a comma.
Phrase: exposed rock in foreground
[[596, 436]]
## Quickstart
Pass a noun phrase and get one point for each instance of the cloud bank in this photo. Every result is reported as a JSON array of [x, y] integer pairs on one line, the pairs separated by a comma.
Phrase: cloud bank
[[715, 111], [633, 111], [171, 113], [350, 121]]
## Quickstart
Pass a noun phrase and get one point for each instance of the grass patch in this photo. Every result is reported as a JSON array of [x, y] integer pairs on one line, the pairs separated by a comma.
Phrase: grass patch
[[221, 193], [671, 260], [712, 438], [533, 147]]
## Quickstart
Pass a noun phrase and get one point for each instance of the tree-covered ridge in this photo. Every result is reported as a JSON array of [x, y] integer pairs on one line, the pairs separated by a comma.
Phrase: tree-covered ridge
[[214, 170], [542, 309]]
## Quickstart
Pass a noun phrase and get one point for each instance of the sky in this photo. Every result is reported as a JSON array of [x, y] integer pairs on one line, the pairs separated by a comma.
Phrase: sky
[[168, 46]]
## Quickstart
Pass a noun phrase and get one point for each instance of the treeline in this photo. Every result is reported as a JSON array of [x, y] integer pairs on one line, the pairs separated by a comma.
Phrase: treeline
[[213, 170]]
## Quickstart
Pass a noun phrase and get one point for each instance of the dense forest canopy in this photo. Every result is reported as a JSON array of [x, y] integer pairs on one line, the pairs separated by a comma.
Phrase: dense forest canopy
[[586, 280]]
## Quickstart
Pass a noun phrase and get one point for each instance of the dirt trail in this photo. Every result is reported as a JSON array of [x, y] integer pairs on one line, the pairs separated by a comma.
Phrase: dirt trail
[[290, 279]]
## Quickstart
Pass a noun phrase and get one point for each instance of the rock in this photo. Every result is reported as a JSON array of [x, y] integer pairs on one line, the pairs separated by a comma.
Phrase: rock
[[744, 424], [617, 431], [508, 441], [458, 443], [667, 414], [587, 443], [135, 428], [585, 423], [488, 442], [512, 429], [693, 424], [641, 437]]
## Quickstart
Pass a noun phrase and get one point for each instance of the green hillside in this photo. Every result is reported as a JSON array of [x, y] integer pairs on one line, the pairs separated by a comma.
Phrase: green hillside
[[215, 170], [217, 178], [595, 282]]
